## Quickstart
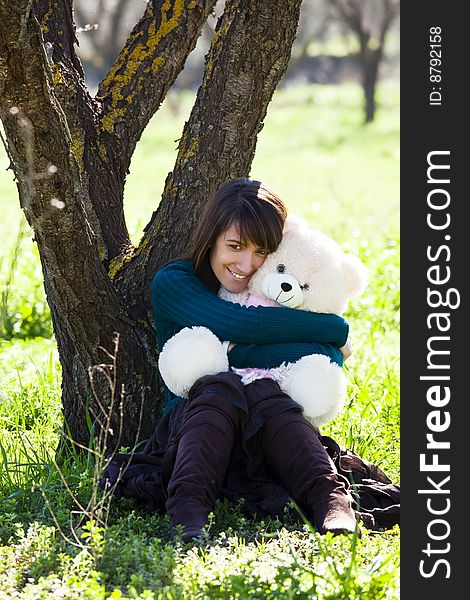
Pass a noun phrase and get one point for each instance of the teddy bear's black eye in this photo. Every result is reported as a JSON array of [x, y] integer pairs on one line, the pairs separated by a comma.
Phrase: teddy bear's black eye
[[305, 287], [280, 268]]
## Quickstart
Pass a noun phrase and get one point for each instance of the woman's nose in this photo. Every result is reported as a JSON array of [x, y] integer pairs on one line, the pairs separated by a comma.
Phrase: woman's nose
[[245, 262]]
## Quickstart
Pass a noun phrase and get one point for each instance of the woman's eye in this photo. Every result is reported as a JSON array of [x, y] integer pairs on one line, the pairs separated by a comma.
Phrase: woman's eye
[[280, 268], [235, 247], [262, 252]]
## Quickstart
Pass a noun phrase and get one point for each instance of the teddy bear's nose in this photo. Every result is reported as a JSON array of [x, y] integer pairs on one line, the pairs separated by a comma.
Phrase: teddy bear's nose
[[286, 287]]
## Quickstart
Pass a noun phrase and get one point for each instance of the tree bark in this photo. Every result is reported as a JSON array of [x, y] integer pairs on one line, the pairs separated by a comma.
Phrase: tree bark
[[71, 153]]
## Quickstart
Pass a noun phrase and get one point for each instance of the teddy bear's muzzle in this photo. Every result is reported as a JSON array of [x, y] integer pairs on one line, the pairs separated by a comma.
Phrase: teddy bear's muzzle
[[284, 289]]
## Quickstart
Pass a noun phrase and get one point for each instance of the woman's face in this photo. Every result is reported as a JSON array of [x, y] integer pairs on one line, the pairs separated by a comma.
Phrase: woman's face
[[233, 262]]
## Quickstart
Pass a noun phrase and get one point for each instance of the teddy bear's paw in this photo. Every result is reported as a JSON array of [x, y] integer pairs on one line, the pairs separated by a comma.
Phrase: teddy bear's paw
[[318, 385], [190, 354]]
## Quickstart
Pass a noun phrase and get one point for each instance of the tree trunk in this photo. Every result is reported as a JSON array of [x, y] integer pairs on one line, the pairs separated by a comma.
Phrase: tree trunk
[[370, 71], [71, 153]]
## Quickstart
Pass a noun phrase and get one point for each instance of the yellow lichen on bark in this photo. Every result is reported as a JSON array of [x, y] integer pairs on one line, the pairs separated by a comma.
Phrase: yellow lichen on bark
[[144, 51], [119, 261], [58, 77], [185, 155], [219, 34], [77, 147], [101, 252], [47, 16]]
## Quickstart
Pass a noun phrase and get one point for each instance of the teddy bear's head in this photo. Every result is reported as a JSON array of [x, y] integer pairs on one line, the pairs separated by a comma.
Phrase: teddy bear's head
[[310, 271]]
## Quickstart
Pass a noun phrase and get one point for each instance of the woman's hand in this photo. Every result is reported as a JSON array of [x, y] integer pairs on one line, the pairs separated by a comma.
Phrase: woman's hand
[[346, 350]]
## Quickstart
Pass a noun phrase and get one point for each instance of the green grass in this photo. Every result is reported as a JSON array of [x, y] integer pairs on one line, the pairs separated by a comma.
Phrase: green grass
[[343, 177], [313, 149]]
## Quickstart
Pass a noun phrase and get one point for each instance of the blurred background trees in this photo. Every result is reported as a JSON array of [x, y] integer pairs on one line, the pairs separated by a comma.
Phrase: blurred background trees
[[337, 41], [370, 22]]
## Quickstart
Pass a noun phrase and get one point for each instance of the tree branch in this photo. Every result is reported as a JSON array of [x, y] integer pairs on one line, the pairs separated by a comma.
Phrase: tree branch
[[155, 51], [58, 28], [352, 13]]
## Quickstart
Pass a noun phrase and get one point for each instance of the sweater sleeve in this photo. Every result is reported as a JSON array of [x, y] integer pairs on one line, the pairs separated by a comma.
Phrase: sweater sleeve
[[179, 296], [267, 356]]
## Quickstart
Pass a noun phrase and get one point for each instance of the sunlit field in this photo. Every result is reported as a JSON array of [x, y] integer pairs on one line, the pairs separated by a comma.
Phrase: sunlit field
[[343, 177]]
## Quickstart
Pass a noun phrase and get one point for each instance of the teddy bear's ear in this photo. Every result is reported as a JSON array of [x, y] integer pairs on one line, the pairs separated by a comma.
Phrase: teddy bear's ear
[[355, 274], [295, 223]]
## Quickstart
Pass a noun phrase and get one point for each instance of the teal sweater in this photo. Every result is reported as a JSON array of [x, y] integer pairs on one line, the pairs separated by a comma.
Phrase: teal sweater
[[264, 336]]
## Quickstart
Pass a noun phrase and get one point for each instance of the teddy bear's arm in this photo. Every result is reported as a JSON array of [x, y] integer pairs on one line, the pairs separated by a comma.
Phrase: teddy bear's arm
[[181, 298], [268, 356]]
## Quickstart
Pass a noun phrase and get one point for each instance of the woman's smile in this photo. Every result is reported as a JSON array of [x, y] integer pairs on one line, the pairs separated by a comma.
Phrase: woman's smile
[[237, 275]]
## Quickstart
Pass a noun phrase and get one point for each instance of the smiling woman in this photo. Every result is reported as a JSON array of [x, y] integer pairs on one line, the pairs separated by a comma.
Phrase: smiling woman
[[239, 441]]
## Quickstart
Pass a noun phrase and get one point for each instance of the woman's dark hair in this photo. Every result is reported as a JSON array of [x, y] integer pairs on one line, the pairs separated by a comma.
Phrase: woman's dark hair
[[254, 207]]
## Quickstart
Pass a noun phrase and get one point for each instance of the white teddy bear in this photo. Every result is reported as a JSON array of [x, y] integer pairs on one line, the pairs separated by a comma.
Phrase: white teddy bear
[[310, 271]]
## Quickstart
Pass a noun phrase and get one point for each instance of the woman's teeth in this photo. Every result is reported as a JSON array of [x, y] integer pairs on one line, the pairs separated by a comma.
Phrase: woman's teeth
[[237, 275]]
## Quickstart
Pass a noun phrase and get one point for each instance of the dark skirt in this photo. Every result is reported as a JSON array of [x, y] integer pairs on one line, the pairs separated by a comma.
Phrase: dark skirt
[[144, 476]]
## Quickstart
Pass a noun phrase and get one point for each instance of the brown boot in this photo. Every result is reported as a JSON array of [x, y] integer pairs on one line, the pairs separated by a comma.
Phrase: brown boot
[[294, 451], [205, 443]]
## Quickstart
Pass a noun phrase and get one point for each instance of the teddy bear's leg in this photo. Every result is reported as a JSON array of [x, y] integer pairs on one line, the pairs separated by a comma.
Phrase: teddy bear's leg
[[318, 385], [190, 354]]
